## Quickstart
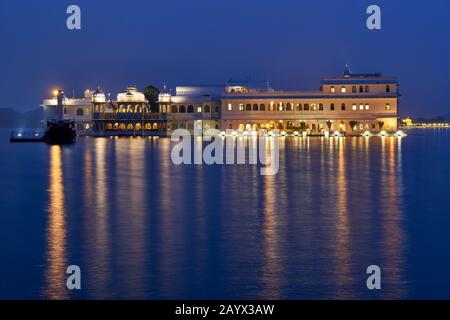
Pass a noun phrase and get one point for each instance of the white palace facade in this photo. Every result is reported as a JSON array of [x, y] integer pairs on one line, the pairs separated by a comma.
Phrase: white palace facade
[[350, 104]]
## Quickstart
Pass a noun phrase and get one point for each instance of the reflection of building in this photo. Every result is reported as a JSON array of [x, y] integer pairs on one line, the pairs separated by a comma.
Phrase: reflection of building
[[351, 103], [129, 115], [77, 109]]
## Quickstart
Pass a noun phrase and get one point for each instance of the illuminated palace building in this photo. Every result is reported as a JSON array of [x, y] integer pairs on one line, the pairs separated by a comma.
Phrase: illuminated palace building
[[350, 104], [97, 115]]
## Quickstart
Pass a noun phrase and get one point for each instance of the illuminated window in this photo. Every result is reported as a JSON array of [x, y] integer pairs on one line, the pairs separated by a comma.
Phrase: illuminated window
[[332, 89], [199, 109], [299, 107], [343, 89], [367, 107], [388, 107], [354, 107], [230, 107], [361, 107], [271, 106], [241, 107], [280, 106]]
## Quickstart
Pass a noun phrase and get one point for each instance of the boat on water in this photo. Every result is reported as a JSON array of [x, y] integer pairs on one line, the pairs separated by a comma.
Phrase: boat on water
[[58, 131]]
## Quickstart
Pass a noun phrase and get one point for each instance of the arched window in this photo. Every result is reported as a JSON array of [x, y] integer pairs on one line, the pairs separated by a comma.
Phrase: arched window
[[206, 109], [262, 107], [138, 126], [130, 126], [248, 107], [109, 126], [80, 112], [289, 106], [343, 106], [306, 107], [280, 106], [174, 109], [148, 126], [320, 106], [182, 109], [299, 107], [255, 107], [190, 109], [332, 106], [155, 126]]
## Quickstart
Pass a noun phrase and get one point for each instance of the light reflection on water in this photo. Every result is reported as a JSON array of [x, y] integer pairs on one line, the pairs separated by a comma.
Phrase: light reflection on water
[[152, 229], [56, 231]]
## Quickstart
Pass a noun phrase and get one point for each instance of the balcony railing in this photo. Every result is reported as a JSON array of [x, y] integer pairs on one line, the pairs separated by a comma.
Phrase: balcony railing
[[128, 116]]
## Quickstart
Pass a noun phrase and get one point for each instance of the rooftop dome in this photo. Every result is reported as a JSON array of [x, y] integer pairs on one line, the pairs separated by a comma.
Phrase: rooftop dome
[[131, 94], [98, 95]]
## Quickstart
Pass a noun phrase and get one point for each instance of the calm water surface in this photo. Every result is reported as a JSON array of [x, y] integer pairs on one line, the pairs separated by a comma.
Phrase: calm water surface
[[142, 227]]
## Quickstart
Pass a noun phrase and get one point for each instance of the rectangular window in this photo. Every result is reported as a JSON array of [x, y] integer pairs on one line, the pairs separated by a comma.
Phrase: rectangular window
[[354, 107], [199, 109], [332, 106], [367, 107], [241, 107], [230, 107], [332, 90], [343, 90], [361, 107]]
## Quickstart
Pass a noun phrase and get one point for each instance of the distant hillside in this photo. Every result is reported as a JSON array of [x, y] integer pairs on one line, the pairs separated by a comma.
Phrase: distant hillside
[[10, 118]]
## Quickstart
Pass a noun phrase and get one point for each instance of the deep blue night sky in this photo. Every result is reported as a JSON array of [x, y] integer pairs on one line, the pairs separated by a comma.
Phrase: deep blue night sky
[[291, 43]]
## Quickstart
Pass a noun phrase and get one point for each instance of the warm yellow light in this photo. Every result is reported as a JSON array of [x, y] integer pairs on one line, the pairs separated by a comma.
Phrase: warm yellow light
[[55, 92]]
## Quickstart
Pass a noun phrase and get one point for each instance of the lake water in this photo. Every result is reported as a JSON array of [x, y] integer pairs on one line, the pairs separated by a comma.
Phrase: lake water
[[141, 227]]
